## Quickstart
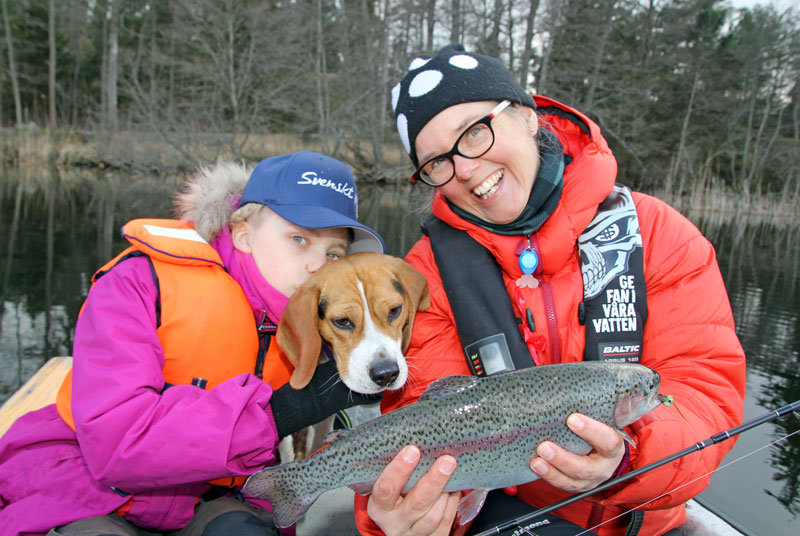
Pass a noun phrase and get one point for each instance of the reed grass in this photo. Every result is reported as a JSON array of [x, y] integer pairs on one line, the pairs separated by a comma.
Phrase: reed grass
[[706, 199], [146, 151], [713, 201]]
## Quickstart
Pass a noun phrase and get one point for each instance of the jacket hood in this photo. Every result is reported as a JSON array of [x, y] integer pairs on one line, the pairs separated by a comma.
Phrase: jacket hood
[[210, 195]]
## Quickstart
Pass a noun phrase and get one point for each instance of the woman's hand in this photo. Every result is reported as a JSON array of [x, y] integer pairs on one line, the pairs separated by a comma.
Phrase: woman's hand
[[574, 473], [426, 509]]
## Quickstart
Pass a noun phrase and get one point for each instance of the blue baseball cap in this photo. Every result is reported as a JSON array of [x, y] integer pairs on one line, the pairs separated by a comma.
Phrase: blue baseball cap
[[311, 190]]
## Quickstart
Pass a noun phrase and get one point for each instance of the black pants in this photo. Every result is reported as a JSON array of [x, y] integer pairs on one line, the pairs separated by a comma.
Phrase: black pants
[[220, 517]]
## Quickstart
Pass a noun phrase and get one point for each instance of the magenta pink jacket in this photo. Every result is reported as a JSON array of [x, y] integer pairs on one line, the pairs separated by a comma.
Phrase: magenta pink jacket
[[158, 447]]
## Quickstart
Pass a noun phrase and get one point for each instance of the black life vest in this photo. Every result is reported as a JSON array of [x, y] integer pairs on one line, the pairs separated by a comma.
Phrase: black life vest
[[614, 306]]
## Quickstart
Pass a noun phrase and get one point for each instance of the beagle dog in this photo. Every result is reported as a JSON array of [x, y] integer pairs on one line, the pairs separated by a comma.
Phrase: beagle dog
[[362, 307]]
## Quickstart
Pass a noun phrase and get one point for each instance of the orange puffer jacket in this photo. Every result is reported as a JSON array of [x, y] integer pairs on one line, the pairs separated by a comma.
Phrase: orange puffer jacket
[[689, 335]]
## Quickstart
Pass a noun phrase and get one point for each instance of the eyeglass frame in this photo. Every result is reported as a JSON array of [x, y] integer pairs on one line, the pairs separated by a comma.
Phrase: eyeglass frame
[[485, 120]]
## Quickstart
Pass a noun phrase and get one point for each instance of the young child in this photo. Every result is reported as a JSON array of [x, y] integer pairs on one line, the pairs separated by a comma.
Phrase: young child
[[169, 401]]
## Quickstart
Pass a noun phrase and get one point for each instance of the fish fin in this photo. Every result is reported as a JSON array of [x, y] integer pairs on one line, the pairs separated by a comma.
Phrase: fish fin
[[470, 504], [282, 486], [363, 488], [333, 435], [628, 439], [447, 386]]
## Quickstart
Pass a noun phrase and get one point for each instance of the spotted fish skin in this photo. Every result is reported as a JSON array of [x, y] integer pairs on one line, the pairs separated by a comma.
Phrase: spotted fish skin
[[491, 425]]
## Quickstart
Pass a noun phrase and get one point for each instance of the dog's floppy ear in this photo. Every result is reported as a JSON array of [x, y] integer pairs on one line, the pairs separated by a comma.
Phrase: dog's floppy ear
[[298, 336], [417, 295]]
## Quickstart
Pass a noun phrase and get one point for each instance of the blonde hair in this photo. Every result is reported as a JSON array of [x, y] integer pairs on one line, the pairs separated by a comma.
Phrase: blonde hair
[[245, 213]]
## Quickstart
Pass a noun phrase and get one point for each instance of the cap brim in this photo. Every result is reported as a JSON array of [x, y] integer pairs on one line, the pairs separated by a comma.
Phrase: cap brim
[[364, 238]]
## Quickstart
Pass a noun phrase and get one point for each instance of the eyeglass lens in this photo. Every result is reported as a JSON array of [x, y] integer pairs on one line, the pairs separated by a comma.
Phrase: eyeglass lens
[[473, 143]]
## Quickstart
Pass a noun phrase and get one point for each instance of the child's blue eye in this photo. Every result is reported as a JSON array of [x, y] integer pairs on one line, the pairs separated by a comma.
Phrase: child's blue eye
[[334, 256], [299, 239]]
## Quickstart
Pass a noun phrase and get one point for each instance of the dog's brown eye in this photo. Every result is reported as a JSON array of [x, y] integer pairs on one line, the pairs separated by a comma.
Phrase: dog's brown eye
[[394, 312], [343, 323]]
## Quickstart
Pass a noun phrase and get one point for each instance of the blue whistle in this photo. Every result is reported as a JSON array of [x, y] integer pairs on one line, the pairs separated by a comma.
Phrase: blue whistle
[[528, 261]]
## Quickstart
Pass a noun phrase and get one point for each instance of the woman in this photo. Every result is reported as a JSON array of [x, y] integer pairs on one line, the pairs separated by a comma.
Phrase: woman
[[529, 179]]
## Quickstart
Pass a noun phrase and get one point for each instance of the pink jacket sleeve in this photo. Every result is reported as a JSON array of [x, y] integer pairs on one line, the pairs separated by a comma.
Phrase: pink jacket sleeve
[[134, 436]]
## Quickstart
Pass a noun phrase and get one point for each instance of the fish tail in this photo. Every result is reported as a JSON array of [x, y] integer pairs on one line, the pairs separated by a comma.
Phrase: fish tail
[[284, 486]]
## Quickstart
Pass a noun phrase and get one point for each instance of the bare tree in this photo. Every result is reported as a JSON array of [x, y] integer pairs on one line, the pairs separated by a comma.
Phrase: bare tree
[[113, 55], [12, 66], [606, 23], [455, 21], [491, 43], [430, 22], [321, 70], [527, 53], [51, 64]]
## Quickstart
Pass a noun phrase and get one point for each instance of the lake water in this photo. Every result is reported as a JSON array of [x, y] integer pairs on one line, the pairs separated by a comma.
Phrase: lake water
[[58, 228]]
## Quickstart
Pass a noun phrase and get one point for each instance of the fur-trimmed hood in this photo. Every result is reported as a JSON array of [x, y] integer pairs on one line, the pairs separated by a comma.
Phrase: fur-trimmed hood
[[210, 195]]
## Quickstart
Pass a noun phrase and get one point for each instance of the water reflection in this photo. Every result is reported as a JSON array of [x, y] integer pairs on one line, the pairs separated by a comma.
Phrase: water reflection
[[760, 264], [59, 227], [394, 210], [57, 230]]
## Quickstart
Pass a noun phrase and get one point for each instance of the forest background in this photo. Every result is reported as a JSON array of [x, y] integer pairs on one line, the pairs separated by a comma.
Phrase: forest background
[[699, 100]]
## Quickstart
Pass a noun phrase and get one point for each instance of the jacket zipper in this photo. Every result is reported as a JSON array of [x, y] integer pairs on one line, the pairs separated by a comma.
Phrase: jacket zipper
[[265, 331], [550, 309]]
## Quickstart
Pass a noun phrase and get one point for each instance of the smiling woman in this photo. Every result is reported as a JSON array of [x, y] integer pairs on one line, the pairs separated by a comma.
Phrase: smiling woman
[[532, 251]]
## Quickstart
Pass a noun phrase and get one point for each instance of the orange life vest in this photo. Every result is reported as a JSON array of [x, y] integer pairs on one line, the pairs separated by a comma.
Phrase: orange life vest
[[206, 326]]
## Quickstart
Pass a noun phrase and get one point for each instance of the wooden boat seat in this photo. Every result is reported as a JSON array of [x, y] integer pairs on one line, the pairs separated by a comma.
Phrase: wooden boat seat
[[37, 392]]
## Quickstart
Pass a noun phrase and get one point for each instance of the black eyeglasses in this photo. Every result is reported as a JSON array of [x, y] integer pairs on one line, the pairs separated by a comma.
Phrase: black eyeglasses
[[474, 142]]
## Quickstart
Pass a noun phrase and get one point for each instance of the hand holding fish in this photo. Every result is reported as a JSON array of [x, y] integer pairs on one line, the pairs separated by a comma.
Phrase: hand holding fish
[[491, 425], [575, 473], [426, 509]]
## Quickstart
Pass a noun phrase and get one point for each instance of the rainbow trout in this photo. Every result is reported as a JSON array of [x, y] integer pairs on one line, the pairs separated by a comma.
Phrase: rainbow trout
[[491, 425]]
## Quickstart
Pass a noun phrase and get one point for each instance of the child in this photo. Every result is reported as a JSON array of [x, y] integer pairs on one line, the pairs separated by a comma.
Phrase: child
[[166, 405]]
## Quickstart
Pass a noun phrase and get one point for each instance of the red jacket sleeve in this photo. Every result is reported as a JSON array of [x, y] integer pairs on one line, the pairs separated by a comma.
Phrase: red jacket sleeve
[[691, 341]]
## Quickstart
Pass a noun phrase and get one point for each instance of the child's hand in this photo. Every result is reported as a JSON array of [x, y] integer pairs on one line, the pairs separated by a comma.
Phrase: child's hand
[[326, 394]]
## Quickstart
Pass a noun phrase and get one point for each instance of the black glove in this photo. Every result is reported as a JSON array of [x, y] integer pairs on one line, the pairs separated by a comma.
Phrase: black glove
[[326, 394]]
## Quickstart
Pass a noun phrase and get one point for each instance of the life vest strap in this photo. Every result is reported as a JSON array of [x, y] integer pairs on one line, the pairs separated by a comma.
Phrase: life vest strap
[[613, 311], [486, 323]]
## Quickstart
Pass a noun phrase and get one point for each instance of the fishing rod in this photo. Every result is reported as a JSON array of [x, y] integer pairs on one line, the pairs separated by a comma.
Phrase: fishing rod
[[713, 440]]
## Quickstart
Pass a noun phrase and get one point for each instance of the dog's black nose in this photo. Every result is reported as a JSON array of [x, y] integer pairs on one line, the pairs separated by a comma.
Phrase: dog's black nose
[[384, 372]]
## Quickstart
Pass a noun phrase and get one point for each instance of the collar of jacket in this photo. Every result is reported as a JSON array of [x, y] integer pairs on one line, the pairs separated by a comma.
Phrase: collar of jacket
[[262, 296], [588, 179]]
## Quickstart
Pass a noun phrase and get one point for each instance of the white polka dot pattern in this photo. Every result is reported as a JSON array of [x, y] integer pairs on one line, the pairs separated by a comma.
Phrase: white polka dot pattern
[[402, 129], [416, 63], [395, 96], [462, 61], [424, 83]]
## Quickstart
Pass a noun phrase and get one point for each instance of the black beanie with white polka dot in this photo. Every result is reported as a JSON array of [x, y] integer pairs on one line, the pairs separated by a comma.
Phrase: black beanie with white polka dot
[[451, 77]]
